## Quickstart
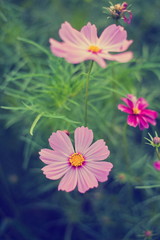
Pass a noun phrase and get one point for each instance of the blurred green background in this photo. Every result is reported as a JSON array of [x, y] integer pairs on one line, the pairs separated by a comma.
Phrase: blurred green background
[[31, 208]]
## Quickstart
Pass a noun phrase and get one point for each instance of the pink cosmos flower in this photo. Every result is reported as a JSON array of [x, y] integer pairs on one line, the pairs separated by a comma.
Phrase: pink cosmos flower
[[81, 166], [156, 165], [138, 114], [78, 46]]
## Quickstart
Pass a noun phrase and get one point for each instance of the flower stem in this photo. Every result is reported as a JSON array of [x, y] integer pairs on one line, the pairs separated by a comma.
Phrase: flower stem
[[125, 143], [158, 154], [86, 95]]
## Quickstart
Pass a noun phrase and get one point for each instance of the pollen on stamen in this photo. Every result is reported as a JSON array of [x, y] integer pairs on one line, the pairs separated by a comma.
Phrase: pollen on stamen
[[94, 49], [76, 160], [136, 110]]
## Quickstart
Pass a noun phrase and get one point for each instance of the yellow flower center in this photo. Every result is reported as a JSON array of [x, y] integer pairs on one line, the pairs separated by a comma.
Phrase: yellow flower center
[[94, 49], [136, 110], [76, 159]]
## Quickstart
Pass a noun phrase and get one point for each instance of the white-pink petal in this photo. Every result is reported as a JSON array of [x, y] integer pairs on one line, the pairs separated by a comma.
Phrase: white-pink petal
[[69, 181], [70, 35], [86, 180], [58, 48], [83, 138], [112, 35], [90, 32], [56, 170], [60, 142], [118, 47], [49, 156], [99, 169], [97, 151], [97, 58], [121, 57]]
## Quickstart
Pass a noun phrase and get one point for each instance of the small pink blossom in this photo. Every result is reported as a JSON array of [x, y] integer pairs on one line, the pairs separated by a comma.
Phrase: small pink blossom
[[148, 233], [156, 165], [79, 46], [138, 114], [82, 166]]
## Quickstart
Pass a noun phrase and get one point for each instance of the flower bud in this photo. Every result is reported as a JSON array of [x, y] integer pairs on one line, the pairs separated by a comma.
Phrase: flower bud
[[156, 165], [148, 233], [156, 140]]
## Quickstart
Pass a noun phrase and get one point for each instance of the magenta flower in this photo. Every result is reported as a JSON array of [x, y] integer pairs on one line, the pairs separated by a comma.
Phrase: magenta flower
[[138, 114], [80, 167], [156, 165], [78, 46]]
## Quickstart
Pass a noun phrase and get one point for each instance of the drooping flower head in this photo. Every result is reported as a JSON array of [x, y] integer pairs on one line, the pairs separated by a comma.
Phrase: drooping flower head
[[138, 114], [81, 166], [119, 11], [79, 46]]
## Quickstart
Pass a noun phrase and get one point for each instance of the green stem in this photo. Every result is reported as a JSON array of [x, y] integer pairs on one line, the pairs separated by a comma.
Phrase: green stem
[[86, 95], [125, 144], [147, 187], [158, 154]]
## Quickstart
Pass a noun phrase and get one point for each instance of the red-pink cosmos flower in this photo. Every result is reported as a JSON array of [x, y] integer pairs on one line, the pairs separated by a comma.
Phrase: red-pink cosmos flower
[[80, 166], [78, 46], [138, 114]]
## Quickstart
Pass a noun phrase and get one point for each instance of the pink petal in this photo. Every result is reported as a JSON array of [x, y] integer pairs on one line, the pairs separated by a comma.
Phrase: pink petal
[[112, 35], [121, 57], [76, 55], [60, 142], [149, 120], [127, 19], [132, 120], [98, 59], [49, 156], [56, 170], [79, 55], [150, 113], [141, 103], [90, 32], [100, 169], [143, 123], [58, 49], [97, 151], [118, 47], [83, 138], [128, 102], [70, 35], [86, 180], [132, 98], [124, 109], [69, 181]]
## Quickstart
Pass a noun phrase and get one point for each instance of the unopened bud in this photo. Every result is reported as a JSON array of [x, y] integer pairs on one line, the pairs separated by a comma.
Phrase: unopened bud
[[156, 140], [156, 165], [148, 233]]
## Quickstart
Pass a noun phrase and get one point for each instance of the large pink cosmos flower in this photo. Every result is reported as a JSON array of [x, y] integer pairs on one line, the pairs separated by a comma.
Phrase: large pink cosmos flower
[[80, 167], [138, 114], [78, 46]]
